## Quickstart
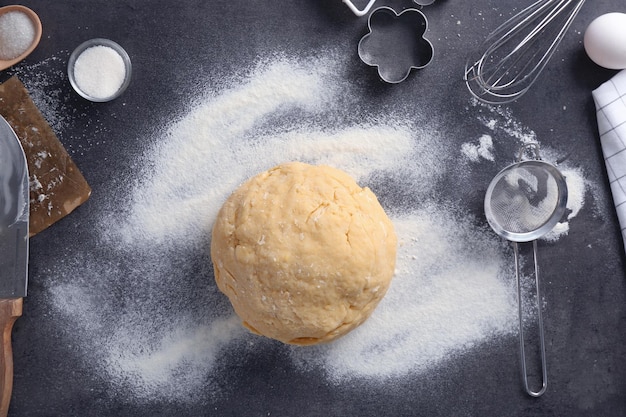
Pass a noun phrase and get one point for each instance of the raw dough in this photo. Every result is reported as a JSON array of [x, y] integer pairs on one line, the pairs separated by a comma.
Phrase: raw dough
[[303, 253]]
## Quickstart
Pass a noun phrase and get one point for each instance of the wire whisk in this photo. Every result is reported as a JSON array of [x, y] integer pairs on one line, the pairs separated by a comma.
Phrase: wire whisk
[[512, 57]]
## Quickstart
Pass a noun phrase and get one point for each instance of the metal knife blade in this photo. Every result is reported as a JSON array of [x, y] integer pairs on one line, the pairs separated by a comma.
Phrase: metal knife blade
[[14, 214]]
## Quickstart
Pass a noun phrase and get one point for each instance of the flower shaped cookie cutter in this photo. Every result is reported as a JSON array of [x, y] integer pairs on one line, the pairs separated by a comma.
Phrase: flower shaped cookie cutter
[[395, 43]]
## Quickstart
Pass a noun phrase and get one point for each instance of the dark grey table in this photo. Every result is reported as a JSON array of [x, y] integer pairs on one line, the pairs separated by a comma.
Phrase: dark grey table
[[179, 47]]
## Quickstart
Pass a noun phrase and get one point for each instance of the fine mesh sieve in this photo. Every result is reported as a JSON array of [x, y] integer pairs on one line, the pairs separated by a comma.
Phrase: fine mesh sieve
[[524, 202]]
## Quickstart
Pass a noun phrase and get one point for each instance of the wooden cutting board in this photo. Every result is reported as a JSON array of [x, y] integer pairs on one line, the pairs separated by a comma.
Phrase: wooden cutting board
[[57, 186]]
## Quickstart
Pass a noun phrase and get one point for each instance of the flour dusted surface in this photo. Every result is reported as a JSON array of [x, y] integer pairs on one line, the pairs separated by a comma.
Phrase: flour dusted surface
[[171, 333]]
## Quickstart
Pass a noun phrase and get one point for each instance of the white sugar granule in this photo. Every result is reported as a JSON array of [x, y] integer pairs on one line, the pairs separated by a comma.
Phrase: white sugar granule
[[99, 71], [17, 34], [144, 309]]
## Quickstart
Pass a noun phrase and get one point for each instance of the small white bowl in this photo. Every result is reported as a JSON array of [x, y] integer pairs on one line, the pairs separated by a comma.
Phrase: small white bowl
[[99, 42]]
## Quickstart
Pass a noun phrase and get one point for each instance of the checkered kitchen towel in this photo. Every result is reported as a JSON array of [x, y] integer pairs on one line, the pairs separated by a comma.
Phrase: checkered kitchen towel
[[610, 99]]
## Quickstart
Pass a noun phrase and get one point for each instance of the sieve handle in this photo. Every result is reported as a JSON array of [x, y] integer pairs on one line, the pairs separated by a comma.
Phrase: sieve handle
[[531, 149], [544, 372]]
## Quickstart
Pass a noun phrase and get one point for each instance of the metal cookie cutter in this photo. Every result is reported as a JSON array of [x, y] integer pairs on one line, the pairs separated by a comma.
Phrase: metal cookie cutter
[[395, 43], [363, 11], [356, 10]]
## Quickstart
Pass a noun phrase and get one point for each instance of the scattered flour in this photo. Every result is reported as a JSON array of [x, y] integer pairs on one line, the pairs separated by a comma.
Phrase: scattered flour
[[484, 149], [577, 187], [446, 297], [178, 364], [165, 335], [500, 121], [500, 118]]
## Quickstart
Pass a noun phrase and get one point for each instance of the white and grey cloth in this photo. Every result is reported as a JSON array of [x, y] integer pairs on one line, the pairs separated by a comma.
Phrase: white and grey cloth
[[610, 100]]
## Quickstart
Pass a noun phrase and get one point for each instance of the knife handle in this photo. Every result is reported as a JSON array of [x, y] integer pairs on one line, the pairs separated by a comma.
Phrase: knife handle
[[10, 310]]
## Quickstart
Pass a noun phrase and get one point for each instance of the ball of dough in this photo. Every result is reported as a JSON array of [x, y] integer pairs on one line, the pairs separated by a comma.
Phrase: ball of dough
[[303, 253]]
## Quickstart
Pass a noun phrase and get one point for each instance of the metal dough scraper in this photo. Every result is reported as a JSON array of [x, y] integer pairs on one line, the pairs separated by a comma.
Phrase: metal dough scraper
[[14, 217]]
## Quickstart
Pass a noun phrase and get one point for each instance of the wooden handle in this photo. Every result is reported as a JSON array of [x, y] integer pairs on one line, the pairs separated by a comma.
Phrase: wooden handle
[[10, 310]]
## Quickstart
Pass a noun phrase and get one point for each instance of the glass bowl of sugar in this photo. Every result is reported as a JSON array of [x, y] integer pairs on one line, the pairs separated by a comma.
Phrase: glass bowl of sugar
[[99, 70]]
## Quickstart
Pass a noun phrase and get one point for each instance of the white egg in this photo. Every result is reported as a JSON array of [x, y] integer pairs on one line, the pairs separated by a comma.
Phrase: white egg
[[605, 40]]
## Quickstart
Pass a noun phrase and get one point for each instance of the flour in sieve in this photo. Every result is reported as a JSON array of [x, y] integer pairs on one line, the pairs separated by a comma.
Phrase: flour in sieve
[[145, 310], [523, 199]]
